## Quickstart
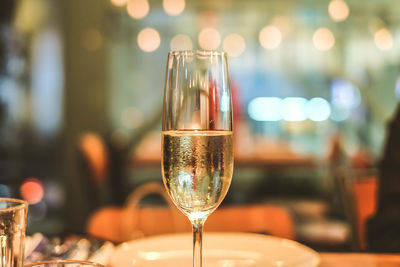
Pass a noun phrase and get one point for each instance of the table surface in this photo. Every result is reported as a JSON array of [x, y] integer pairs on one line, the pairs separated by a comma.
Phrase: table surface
[[359, 260]]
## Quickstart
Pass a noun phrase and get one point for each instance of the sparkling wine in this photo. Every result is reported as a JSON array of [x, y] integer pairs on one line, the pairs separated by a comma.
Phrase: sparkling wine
[[12, 233], [197, 169]]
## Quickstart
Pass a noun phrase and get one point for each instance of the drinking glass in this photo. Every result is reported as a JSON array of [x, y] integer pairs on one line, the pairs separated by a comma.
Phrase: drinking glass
[[197, 137], [64, 263], [13, 214]]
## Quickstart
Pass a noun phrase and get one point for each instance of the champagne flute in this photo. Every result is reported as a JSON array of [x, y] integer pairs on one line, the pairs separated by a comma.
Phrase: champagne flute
[[13, 218], [197, 137]]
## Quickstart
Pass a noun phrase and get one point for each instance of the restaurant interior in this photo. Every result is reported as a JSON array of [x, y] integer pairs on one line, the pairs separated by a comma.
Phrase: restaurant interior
[[315, 88]]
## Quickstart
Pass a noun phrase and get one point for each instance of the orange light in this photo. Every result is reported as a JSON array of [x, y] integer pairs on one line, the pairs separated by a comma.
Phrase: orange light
[[323, 39], [118, 3], [383, 39], [209, 38], [32, 190], [173, 7], [149, 39], [234, 45], [338, 10], [270, 37], [138, 9]]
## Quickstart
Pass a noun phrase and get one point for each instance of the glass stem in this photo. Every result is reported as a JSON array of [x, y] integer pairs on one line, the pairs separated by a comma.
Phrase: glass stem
[[197, 226]]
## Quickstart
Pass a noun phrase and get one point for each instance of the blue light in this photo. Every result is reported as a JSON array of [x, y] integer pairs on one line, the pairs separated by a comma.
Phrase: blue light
[[294, 109], [318, 109], [265, 109], [4, 191], [339, 113], [345, 94]]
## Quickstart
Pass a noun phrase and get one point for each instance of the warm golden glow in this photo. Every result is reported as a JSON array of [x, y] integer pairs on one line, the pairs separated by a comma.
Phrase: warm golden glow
[[209, 39], [138, 9], [118, 2], [173, 7], [338, 10], [181, 42], [270, 37], [234, 45], [323, 39], [148, 40], [383, 39]]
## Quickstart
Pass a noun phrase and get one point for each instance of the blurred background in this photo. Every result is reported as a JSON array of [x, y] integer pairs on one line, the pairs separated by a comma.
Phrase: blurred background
[[315, 84]]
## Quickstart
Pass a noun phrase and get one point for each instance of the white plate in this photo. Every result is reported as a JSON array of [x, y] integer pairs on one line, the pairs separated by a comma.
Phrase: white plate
[[219, 250]]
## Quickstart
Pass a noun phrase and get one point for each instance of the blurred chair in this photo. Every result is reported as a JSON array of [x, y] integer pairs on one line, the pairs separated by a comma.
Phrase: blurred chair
[[131, 221], [94, 151], [94, 165], [357, 186], [261, 218], [120, 224], [357, 192], [365, 195]]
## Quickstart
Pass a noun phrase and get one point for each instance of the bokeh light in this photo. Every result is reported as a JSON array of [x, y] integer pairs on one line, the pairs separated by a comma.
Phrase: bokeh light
[[344, 94], [318, 109], [138, 9], [181, 42], [32, 190], [270, 37], [294, 109], [4, 191], [55, 194], [118, 3], [383, 39], [209, 38], [338, 10], [338, 112], [173, 7], [131, 117], [148, 39], [234, 45], [323, 39], [265, 109]]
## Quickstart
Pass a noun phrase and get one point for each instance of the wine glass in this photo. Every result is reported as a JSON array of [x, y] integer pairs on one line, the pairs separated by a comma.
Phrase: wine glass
[[13, 218], [197, 137]]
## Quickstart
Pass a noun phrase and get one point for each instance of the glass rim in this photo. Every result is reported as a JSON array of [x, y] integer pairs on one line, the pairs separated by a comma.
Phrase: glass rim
[[199, 52], [89, 263], [20, 203]]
